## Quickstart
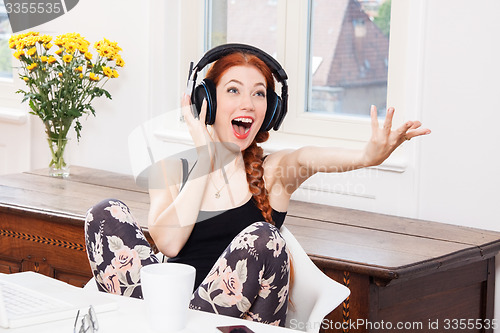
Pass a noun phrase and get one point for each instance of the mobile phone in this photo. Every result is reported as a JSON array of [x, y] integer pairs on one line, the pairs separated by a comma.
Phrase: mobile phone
[[235, 329]]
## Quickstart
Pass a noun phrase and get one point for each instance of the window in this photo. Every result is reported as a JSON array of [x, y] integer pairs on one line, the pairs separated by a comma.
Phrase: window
[[5, 53], [348, 56], [8, 85], [348, 47], [249, 22], [204, 24], [334, 51]]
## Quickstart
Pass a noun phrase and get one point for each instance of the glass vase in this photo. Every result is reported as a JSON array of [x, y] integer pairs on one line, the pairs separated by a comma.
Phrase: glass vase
[[58, 166]]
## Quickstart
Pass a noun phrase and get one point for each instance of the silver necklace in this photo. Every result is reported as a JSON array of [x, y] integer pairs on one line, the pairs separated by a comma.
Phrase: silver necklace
[[226, 182]]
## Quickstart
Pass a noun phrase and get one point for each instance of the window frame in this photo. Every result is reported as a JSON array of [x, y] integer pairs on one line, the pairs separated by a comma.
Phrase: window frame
[[303, 128], [307, 128], [8, 87], [348, 131], [10, 102], [294, 24]]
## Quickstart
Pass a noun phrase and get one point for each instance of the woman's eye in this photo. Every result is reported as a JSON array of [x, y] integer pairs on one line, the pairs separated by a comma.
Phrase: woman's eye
[[232, 90], [261, 93]]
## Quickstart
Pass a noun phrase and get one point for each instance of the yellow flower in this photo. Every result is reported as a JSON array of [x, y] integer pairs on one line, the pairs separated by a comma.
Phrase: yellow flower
[[106, 52], [82, 47], [46, 39], [114, 45], [22, 40], [72, 41], [93, 77], [107, 49], [31, 41], [31, 51], [119, 61], [70, 47], [13, 41], [28, 41], [18, 54], [20, 45], [107, 71], [71, 63], [32, 66], [67, 58]]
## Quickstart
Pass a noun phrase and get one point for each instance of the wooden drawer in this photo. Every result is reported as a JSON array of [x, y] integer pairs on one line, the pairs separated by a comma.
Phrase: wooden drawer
[[52, 248]]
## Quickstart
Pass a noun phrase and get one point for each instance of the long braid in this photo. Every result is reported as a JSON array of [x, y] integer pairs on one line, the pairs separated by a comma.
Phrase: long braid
[[253, 158]]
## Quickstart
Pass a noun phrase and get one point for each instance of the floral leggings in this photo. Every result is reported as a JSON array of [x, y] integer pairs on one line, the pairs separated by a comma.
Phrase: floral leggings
[[249, 280]]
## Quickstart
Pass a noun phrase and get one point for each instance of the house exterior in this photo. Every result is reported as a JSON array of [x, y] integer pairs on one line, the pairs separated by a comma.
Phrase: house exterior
[[349, 52], [352, 57]]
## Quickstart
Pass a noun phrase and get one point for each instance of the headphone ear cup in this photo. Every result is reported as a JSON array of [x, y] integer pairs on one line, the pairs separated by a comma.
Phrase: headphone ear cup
[[205, 90], [273, 111]]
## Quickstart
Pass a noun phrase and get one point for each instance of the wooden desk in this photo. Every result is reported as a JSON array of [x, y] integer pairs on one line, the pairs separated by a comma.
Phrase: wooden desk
[[399, 270]]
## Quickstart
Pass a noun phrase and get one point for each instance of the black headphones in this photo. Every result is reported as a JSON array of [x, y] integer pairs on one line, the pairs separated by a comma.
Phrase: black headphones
[[276, 105]]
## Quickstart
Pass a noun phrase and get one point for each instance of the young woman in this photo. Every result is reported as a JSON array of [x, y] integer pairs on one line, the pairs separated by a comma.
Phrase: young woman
[[222, 212]]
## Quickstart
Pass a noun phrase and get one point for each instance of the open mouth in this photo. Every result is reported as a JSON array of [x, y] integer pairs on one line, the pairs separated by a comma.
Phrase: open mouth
[[241, 126]]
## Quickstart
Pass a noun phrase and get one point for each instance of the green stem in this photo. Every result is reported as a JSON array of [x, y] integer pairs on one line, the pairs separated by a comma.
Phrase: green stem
[[57, 131], [57, 148]]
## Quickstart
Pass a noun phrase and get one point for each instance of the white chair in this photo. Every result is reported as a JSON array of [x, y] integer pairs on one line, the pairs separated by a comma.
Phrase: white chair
[[90, 285], [313, 293]]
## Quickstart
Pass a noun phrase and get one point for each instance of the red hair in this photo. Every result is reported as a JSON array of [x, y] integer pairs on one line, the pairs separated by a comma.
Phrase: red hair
[[253, 156]]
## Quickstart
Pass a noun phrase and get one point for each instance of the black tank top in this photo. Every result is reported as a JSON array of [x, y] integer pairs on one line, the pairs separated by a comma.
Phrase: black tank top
[[213, 232]]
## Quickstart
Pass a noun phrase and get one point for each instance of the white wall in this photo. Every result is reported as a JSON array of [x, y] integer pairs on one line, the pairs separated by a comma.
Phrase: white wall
[[149, 84], [14, 145], [459, 165], [104, 138]]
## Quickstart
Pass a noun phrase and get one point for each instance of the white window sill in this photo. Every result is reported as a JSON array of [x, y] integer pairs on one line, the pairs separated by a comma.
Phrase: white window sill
[[13, 116]]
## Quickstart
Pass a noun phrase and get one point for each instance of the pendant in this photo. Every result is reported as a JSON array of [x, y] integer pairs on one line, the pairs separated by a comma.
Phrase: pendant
[[217, 195]]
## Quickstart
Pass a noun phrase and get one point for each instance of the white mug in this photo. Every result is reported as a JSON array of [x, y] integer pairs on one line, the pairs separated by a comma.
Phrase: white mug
[[167, 290]]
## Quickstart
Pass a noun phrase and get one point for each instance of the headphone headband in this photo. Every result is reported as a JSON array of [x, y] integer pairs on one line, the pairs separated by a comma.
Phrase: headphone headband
[[225, 49]]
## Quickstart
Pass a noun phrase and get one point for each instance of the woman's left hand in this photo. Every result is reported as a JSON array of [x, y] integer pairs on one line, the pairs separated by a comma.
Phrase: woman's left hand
[[385, 140]]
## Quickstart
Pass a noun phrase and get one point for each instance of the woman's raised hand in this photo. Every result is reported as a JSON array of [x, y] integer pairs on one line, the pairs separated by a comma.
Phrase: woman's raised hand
[[385, 140]]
